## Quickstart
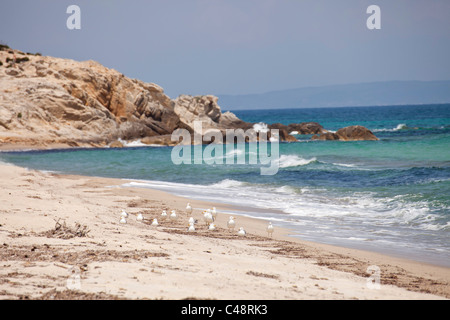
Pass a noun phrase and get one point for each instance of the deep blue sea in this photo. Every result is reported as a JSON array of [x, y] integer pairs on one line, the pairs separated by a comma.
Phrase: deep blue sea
[[390, 196]]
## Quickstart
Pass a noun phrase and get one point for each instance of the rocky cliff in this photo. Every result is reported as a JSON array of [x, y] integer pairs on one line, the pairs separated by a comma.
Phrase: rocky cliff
[[48, 102]]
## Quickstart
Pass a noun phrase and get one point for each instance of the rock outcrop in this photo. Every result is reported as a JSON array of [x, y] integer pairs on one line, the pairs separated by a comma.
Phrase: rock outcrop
[[206, 110], [46, 101], [59, 101], [300, 128], [54, 102], [351, 133]]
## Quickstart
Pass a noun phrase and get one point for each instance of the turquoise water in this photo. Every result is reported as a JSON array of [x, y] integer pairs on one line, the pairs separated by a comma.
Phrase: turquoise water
[[391, 196]]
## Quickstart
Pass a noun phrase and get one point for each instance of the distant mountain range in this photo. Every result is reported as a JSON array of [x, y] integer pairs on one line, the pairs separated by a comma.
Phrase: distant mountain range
[[347, 95]]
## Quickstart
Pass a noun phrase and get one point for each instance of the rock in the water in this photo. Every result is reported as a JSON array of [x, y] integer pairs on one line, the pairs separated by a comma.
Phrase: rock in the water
[[306, 128], [285, 136], [351, 133], [163, 140], [116, 144], [326, 136], [356, 133]]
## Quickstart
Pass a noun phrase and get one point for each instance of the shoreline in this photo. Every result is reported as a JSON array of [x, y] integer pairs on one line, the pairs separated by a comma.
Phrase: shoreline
[[290, 234], [392, 253], [34, 200]]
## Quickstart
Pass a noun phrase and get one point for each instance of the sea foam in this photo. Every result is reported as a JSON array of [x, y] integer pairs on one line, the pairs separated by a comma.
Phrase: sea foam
[[401, 126], [287, 161]]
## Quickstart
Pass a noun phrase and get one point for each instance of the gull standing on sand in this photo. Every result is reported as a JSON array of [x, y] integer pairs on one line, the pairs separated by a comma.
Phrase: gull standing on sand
[[191, 227], [207, 216], [140, 217], [173, 215], [241, 232], [270, 229], [191, 220], [123, 220], [212, 227], [155, 222], [164, 215], [188, 208], [214, 212], [231, 224], [124, 214]]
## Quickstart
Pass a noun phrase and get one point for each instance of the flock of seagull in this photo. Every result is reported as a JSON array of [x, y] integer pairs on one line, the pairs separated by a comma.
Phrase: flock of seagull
[[209, 216]]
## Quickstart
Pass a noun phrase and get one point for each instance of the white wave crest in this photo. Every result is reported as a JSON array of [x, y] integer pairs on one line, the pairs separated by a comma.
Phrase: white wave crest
[[260, 127], [400, 126], [345, 165], [286, 161], [227, 183], [135, 143]]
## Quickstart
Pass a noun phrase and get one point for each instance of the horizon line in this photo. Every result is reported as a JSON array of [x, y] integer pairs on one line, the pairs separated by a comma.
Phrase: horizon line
[[327, 85]]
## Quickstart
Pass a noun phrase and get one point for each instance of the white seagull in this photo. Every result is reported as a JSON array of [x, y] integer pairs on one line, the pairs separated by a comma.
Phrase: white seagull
[[140, 217], [191, 227], [123, 220], [212, 227], [173, 215], [124, 214], [214, 212], [241, 232], [270, 229], [231, 224], [164, 215], [188, 208], [155, 222], [191, 220], [207, 216]]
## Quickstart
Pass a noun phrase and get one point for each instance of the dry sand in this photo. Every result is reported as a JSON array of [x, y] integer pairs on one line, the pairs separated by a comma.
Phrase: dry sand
[[139, 261]]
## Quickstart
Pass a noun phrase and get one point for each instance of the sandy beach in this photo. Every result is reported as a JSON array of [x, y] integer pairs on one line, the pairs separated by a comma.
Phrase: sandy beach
[[60, 238]]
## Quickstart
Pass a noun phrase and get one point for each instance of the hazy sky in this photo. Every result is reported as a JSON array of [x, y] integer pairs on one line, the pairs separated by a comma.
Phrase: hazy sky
[[240, 46]]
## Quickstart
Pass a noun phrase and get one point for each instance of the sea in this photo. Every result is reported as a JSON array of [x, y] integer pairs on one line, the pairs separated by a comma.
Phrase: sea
[[390, 196]]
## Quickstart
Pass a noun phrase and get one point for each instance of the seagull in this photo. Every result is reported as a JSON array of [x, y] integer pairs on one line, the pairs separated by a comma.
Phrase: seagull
[[214, 212], [207, 216], [139, 217], [270, 229], [212, 227], [164, 215], [173, 215], [231, 224], [192, 220], [155, 222], [241, 232], [123, 220], [189, 208], [191, 227], [124, 214]]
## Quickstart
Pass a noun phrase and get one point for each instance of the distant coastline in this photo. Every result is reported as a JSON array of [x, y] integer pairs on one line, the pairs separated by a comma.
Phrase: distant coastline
[[347, 95], [339, 107]]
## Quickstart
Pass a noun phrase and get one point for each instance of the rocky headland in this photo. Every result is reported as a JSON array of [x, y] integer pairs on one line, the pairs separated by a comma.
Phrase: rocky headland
[[48, 102]]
